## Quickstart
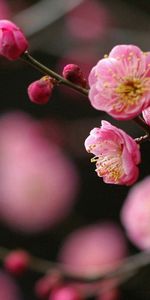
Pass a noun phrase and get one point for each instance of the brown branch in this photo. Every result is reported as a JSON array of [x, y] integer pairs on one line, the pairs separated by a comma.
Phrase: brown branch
[[26, 57], [126, 268]]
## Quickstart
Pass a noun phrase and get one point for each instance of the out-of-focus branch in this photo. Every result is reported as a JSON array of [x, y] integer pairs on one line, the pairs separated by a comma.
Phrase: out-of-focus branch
[[125, 269]]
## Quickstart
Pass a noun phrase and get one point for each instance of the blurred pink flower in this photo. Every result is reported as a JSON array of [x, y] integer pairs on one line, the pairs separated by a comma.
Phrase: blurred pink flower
[[40, 90], [89, 20], [146, 115], [8, 288], [112, 294], [93, 249], [120, 83], [135, 214], [116, 154], [5, 11], [38, 183], [13, 43]]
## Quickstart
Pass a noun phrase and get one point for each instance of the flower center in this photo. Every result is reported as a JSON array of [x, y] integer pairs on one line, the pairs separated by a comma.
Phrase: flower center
[[130, 91], [109, 166]]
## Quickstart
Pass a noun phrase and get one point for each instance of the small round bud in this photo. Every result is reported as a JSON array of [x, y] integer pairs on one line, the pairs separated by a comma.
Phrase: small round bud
[[40, 90], [17, 262], [74, 74], [13, 43]]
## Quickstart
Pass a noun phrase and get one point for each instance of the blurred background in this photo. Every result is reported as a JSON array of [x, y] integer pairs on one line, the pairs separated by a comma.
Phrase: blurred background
[[48, 188]]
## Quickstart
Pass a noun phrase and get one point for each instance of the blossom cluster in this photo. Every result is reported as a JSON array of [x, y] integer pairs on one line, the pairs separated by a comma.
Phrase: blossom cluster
[[119, 84]]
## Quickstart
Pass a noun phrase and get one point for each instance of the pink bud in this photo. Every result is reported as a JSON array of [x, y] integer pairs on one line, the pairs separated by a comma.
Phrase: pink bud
[[17, 262], [74, 74], [64, 293], [39, 91], [13, 43]]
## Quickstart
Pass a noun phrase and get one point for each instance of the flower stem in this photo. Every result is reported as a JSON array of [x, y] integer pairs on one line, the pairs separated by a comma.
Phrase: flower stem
[[142, 139], [128, 267], [138, 120], [26, 57]]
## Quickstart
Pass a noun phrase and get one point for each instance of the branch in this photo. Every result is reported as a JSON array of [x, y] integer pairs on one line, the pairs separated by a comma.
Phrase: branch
[[26, 57], [138, 120], [126, 268]]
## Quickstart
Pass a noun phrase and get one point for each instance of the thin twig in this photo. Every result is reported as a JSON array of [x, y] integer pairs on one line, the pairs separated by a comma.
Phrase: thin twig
[[138, 120], [26, 57], [129, 266], [142, 139]]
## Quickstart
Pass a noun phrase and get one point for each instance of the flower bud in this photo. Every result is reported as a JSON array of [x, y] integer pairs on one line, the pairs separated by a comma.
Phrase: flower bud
[[40, 90], [74, 74], [13, 43], [17, 262]]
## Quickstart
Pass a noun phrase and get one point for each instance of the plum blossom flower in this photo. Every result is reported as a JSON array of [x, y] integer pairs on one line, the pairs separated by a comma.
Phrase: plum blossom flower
[[33, 191], [120, 83], [135, 214], [8, 288], [93, 249], [116, 154], [13, 43], [146, 115]]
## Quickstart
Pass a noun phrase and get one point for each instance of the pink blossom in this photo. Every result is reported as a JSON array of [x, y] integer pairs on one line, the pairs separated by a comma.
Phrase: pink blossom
[[88, 21], [40, 91], [93, 249], [135, 214], [8, 288], [33, 191], [146, 115], [116, 154], [5, 10], [110, 294], [120, 83], [13, 43]]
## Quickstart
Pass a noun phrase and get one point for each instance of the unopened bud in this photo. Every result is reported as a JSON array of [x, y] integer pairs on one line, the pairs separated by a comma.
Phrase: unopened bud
[[17, 262], [40, 90], [74, 74], [13, 42]]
